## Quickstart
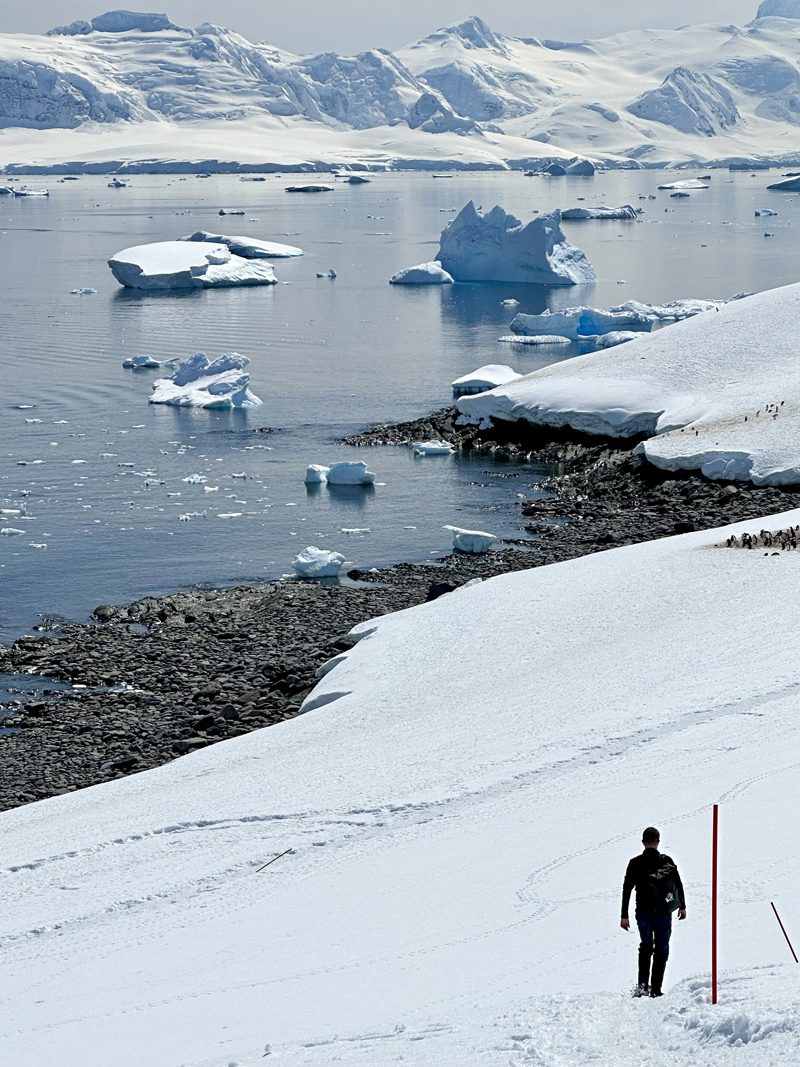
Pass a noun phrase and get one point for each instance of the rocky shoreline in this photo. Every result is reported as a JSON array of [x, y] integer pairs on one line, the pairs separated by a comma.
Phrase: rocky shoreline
[[165, 676]]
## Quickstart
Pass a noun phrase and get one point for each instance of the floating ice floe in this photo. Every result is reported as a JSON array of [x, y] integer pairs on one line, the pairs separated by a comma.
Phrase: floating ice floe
[[433, 448], [717, 393], [83, 292], [580, 322], [317, 563], [231, 211], [147, 362], [199, 382], [486, 377], [117, 184], [423, 274], [627, 211], [24, 190], [309, 188], [471, 541], [357, 179], [685, 183], [534, 339], [9, 531], [187, 265], [350, 472], [326, 273], [498, 247], [616, 337], [765, 211], [511, 303], [316, 473], [246, 247], [196, 479]]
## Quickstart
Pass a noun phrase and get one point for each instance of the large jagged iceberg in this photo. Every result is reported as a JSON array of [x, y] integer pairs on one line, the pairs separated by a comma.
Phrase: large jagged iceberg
[[716, 393], [315, 562], [187, 265], [579, 322], [246, 247], [497, 247], [199, 382]]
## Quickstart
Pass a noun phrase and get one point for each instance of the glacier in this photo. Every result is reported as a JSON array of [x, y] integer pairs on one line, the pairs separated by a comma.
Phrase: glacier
[[498, 247], [715, 393], [187, 265], [170, 98], [214, 384]]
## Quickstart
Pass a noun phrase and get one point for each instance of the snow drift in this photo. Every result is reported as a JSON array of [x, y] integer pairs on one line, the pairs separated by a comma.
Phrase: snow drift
[[435, 905], [497, 247], [187, 265], [716, 393]]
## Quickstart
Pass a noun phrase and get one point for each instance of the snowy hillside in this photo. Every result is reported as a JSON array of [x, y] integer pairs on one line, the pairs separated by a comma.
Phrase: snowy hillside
[[461, 799], [127, 87]]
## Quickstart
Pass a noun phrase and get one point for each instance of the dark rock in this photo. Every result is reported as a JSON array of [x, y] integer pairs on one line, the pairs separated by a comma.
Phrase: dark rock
[[104, 612], [437, 589]]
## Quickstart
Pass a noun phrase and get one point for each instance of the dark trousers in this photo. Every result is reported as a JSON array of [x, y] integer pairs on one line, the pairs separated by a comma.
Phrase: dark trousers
[[654, 931]]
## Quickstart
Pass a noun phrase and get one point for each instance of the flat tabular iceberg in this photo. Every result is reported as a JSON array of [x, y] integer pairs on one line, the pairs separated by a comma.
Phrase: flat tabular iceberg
[[423, 274], [186, 265], [199, 382], [315, 562], [246, 247], [627, 211], [579, 322], [716, 393], [498, 248], [486, 377], [685, 183]]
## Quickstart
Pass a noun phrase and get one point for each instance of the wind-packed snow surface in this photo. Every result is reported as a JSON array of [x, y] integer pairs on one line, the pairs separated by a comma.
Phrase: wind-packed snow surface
[[461, 799], [465, 96], [203, 383], [187, 265], [496, 247], [716, 393]]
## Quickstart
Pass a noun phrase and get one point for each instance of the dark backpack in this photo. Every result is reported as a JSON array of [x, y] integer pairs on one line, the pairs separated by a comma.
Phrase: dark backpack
[[663, 890]]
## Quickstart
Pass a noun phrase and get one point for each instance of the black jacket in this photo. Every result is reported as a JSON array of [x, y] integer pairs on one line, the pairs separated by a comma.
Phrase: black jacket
[[637, 876]]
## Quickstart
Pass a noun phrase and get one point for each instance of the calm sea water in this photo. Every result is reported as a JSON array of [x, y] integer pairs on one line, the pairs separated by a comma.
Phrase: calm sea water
[[100, 471]]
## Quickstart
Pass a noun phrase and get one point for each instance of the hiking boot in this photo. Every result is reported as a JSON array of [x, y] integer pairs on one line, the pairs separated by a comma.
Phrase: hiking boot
[[640, 991], [656, 993]]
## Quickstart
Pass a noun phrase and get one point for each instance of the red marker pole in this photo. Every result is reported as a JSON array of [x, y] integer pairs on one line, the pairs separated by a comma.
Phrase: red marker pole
[[783, 928], [715, 834]]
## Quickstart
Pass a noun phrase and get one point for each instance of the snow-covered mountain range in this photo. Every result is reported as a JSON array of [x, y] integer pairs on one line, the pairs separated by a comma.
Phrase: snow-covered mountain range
[[128, 87]]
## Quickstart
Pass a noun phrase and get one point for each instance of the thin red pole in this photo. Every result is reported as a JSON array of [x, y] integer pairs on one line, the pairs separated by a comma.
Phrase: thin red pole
[[714, 905], [788, 942]]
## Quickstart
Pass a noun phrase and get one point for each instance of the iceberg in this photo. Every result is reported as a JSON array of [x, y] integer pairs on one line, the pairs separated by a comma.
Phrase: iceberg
[[685, 183], [433, 448], [471, 541], [350, 472], [765, 211], [786, 185], [231, 211], [423, 274], [357, 179], [498, 247], [246, 247], [316, 473], [580, 322], [534, 339], [714, 393], [486, 377], [317, 563], [187, 265], [146, 362], [199, 382], [627, 211], [25, 191], [308, 189]]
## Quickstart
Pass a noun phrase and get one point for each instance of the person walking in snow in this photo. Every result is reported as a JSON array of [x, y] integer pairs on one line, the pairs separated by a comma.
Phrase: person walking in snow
[[659, 892]]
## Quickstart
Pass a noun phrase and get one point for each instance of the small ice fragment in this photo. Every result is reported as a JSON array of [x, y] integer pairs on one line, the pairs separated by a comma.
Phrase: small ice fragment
[[33, 544], [511, 303], [229, 515], [433, 448], [431, 273], [356, 530], [77, 462], [471, 541], [242, 475], [9, 531], [315, 562], [33, 420], [316, 473], [83, 292], [210, 488], [196, 479]]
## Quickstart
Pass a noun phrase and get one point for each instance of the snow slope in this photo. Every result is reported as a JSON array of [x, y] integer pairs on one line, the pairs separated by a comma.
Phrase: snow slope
[[461, 799], [464, 96], [715, 393]]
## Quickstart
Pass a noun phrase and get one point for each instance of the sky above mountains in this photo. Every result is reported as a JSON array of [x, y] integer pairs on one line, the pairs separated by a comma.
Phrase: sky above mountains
[[351, 26]]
